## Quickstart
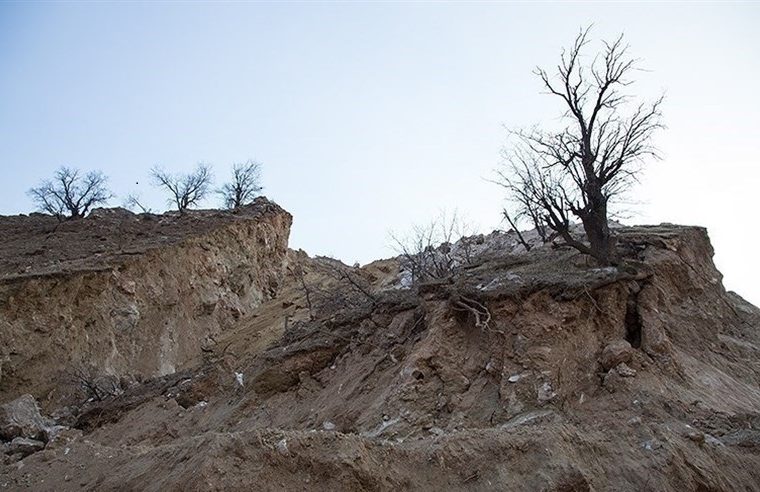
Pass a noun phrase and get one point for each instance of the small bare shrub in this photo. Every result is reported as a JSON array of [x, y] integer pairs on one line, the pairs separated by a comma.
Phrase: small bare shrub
[[436, 250]]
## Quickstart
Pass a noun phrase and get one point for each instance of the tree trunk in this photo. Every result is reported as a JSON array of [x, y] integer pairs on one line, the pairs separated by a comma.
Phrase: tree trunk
[[598, 231]]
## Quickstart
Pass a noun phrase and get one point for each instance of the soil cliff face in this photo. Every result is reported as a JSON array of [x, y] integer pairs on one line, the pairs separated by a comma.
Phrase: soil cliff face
[[127, 295], [522, 371]]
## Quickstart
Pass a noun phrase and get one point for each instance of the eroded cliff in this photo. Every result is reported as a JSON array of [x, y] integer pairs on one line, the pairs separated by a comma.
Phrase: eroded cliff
[[522, 371], [128, 296]]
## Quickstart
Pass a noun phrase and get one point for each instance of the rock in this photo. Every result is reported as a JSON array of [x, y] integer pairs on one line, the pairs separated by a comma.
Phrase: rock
[[746, 438], [21, 418], [52, 432], [616, 353], [437, 431], [613, 381], [282, 447], [63, 438], [625, 371], [697, 437], [328, 426], [651, 445], [125, 317], [25, 446], [545, 393]]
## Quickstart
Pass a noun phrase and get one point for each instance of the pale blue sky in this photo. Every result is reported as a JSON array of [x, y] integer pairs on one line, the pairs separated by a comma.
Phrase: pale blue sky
[[370, 117]]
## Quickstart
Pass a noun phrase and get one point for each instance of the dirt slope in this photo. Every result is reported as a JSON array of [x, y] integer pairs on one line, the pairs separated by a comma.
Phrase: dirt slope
[[128, 296], [571, 377]]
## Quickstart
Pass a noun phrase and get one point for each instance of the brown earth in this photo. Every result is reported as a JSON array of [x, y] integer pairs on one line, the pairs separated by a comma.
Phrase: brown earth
[[128, 296], [641, 377]]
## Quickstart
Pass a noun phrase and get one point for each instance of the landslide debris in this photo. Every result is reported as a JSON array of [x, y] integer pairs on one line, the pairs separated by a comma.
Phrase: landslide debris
[[523, 371]]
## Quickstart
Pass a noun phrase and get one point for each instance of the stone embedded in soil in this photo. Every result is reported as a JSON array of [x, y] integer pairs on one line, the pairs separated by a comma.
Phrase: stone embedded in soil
[[328, 426], [545, 393], [21, 418], [613, 381], [24, 446], [625, 370], [617, 352], [282, 447]]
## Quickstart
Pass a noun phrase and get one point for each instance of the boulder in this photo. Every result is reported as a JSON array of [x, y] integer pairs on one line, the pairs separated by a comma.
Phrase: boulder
[[21, 418], [615, 353]]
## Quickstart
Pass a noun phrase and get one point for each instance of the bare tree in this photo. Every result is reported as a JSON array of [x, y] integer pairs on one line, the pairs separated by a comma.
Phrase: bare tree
[[576, 170], [71, 195], [435, 250], [245, 184], [187, 189], [133, 203], [300, 274], [335, 288]]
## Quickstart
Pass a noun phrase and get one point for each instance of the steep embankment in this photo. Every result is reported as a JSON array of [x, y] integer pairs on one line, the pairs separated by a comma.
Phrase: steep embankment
[[524, 371], [128, 296]]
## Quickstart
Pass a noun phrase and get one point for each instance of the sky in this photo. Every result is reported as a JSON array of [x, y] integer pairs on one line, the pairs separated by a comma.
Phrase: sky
[[370, 117]]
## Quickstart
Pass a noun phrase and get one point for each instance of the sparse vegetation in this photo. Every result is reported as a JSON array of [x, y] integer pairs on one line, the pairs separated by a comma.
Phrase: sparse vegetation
[[187, 190], [69, 195], [347, 289], [244, 186], [92, 385], [553, 176], [429, 251], [133, 202]]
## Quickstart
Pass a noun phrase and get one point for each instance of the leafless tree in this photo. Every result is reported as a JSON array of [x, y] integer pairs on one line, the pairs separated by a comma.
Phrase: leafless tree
[[245, 184], [526, 211], [435, 250], [69, 195], [350, 279], [335, 288], [187, 190], [133, 203], [575, 171]]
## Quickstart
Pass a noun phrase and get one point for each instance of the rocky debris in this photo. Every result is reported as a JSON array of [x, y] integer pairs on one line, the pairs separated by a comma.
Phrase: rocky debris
[[21, 418], [615, 379], [53, 432], [63, 438], [696, 436], [328, 426], [614, 353], [625, 371], [545, 393], [748, 438], [282, 447], [24, 446], [409, 394]]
